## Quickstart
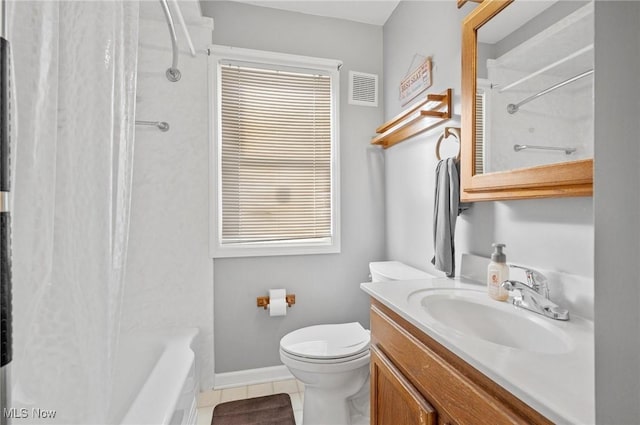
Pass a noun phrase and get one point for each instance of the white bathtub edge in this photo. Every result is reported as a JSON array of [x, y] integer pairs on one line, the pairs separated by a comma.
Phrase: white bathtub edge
[[172, 367]]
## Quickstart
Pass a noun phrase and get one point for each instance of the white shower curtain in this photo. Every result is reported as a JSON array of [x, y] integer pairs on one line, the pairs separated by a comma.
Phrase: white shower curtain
[[75, 77]]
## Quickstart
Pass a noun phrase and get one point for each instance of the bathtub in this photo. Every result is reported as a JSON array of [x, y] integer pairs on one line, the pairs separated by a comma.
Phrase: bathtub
[[155, 380]]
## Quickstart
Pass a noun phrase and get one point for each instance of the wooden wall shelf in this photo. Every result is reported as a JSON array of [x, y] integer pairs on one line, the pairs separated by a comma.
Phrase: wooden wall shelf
[[429, 113], [463, 2]]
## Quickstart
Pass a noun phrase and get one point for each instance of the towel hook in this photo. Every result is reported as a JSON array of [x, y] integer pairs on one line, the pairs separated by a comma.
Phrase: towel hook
[[448, 131]]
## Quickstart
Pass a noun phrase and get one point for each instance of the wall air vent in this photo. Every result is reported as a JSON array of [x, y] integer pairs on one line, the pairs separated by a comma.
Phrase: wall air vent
[[363, 89]]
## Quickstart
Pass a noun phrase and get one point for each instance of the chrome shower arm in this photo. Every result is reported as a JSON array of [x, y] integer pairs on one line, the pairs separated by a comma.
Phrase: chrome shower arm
[[173, 74]]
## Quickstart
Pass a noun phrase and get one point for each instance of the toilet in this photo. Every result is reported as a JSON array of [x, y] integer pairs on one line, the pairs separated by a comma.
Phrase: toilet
[[332, 361]]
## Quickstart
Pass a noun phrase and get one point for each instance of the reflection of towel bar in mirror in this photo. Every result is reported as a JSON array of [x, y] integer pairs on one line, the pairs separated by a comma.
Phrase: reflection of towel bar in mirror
[[448, 131], [161, 125], [567, 151], [513, 108]]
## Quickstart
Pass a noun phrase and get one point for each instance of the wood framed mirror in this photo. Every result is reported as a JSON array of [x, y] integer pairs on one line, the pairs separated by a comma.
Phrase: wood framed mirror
[[570, 171]]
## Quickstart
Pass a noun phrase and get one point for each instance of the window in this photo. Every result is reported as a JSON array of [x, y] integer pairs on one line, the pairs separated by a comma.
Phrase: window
[[483, 126], [275, 154], [481, 118]]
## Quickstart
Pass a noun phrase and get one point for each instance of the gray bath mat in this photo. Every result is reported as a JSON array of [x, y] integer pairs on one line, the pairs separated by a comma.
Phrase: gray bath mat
[[268, 410]]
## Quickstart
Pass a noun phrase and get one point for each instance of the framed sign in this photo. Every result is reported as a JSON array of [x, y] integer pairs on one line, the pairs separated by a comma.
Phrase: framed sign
[[416, 82]]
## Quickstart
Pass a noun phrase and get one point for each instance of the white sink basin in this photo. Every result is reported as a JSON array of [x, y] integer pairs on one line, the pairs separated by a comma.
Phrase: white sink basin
[[473, 314]]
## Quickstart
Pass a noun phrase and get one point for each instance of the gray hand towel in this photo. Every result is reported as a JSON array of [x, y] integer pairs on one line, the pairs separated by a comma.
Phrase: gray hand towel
[[446, 209]]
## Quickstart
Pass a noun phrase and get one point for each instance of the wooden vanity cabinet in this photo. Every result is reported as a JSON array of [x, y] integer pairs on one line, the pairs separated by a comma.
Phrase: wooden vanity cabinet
[[397, 402], [415, 380]]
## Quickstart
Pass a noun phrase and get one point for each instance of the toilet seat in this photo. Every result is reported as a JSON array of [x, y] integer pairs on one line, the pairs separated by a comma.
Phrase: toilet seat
[[363, 353], [326, 367], [327, 344]]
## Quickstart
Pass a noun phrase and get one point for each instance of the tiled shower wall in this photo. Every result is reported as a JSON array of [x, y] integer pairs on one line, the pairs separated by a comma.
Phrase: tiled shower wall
[[169, 274]]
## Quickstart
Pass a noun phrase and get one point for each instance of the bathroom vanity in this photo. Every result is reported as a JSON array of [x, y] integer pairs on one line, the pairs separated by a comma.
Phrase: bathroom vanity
[[443, 352]]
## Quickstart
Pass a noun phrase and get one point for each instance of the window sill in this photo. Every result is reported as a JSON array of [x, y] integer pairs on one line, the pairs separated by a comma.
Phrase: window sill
[[274, 249]]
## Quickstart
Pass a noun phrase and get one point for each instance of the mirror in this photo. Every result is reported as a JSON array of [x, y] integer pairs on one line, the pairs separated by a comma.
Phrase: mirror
[[527, 94]]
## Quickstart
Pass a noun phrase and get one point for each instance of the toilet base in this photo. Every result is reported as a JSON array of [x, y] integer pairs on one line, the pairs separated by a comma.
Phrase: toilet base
[[316, 410], [343, 404]]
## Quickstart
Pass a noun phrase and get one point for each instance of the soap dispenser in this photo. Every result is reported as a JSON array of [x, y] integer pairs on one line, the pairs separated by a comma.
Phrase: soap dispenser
[[497, 272]]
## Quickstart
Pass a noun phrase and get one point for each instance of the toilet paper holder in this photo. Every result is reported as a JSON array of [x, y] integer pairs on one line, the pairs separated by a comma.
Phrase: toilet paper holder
[[264, 301]]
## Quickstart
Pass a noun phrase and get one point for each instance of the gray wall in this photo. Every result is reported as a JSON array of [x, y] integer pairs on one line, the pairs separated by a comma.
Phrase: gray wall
[[326, 286], [617, 202], [410, 166]]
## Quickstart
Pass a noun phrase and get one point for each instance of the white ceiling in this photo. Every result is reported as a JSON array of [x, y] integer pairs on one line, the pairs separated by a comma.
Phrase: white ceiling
[[374, 12]]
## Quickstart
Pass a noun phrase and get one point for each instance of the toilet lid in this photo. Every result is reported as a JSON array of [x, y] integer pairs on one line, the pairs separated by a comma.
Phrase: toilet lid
[[327, 341]]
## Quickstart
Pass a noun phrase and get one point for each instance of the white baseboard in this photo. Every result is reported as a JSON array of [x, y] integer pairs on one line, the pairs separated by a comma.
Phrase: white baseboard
[[251, 376]]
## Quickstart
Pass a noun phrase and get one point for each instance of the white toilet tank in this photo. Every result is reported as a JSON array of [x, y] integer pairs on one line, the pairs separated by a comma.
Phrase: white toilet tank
[[394, 270]]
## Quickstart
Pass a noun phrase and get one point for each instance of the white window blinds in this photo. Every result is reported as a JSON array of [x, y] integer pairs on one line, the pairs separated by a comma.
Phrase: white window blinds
[[480, 131], [275, 155]]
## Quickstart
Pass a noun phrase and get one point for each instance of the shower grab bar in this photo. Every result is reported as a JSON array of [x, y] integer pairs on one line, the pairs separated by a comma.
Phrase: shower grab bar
[[173, 74], [512, 108], [567, 151], [161, 125]]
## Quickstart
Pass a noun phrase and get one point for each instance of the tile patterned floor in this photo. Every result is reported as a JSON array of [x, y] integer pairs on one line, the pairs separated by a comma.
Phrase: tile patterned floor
[[209, 399]]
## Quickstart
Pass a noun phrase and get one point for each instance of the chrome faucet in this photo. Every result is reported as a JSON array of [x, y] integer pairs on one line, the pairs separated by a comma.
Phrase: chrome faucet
[[534, 294]]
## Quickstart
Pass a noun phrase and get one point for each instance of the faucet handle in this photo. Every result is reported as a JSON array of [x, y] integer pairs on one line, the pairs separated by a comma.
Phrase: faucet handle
[[535, 280], [516, 289], [515, 286], [539, 281]]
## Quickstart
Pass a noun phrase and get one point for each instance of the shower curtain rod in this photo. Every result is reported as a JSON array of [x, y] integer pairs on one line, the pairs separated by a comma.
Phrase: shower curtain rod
[[185, 30], [512, 108], [173, 73]]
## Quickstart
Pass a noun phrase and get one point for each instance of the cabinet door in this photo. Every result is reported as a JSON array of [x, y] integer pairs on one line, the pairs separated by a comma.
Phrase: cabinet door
[[394, 401]]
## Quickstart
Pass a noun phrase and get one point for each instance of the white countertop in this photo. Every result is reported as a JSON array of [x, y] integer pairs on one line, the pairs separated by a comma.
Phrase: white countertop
[[560, 386]]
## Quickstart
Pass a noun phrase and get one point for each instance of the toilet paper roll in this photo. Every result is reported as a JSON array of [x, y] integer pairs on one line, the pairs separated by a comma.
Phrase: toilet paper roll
[[277, 302]]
